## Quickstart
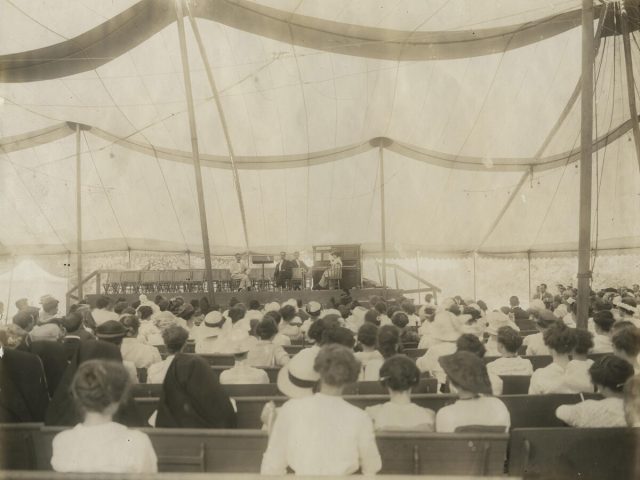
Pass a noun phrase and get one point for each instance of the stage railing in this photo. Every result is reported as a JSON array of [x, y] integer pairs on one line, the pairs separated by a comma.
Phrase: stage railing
[[428, 286]]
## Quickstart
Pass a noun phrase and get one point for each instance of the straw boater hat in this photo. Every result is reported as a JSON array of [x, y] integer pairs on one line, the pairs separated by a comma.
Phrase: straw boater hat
[[213, 323], [497, 320], [297, 378], [468, 371], [314, 308]]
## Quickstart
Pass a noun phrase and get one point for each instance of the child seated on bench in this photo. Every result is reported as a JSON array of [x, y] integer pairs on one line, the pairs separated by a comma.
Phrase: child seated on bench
[[509, 342], [399, 375], [98, 444], [609, 375], [475, 407], [322, 434]]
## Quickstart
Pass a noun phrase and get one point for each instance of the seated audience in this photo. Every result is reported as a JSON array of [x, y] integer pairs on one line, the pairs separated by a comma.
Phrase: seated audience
[[495, 321], [632, 401], [290, 325], [399, 375], [408, 334], [603, 323], [242, 372], [208, 340], [388, 346], [175, 338], [470, 343], [560, 341], [626, 345], [535, 343], [609, 375], [99, 444], [381, 309], [410, 309], [368, 341], [475, 407], [520, 316], [577, 376], [335, 438], [134, 351], [509, 342], [75, 333], [112, 331], [49, 309], [23, 386], [265, 353], [102, 313], [191, 397], [313, 310], [279, 338], [446, 327]]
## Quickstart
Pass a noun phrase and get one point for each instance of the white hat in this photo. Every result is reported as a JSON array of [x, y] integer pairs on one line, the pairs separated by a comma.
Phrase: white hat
[[497, 320], [48, 331], [213, 323], [292, 302], [330, 311], [297, 378], [313, 308], [48, 299], [239, 342], [272, 307]]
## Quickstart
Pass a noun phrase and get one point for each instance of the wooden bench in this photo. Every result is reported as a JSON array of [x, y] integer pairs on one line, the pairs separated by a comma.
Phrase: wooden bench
[[203, 450], [515, 384], [17, 451], [569, 453], [527, 411]]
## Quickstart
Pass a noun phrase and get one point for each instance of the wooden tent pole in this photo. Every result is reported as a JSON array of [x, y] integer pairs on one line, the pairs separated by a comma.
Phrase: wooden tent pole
[[383, 232], [628, 63], [78, 214], [586, 138], [195, 150]]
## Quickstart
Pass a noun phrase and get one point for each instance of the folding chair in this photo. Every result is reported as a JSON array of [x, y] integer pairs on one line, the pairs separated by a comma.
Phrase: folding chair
[[334, 276]]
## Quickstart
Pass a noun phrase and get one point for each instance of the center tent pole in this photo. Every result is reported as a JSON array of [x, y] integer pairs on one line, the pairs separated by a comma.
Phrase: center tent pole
[[381, 143], [586, 139], [78, 214], [195, 150], [223, 121]]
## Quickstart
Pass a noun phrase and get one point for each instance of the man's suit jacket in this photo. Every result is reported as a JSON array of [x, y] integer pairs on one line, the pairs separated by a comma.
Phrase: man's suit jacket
[[283, 273]]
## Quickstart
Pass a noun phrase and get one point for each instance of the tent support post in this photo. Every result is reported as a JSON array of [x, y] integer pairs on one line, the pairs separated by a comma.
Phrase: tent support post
[[195, 150], [383, 232], [529, 272], [584, 241], [78, 213], [475, 287], [223, 121], [630, 81]]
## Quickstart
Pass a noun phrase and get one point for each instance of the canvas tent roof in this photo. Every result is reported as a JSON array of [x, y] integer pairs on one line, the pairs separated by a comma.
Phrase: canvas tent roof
[[479, 98]]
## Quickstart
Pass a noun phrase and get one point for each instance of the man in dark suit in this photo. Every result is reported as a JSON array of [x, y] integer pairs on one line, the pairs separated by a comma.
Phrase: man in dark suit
[[283, 271]]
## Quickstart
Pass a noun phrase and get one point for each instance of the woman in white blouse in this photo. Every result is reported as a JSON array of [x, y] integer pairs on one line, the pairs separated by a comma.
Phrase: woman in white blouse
[[560, 341], [322, 434], [400, 375], [609, 375]]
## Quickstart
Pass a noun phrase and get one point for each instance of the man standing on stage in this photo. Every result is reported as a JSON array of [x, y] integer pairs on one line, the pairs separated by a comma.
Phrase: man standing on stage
[[283, 271], [297, 263], [240, 271]]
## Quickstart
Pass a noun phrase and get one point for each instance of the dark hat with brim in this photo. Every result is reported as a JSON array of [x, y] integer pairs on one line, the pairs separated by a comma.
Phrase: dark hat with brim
[[111, 329], [468, 371]]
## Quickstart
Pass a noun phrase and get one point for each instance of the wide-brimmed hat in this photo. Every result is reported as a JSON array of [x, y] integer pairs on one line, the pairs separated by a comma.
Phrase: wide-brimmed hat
[[111, 329], [468, 371], [297, 378], [272, 307], [497, 320]]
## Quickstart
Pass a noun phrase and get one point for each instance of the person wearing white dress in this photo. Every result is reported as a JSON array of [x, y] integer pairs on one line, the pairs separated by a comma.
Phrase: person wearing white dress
[[388, 345], [468, 378], [400, 375], [98, 444], [560, 341], [368, 340], [133, 350], [577, 376], [603, 322], [470, 343], [535, 343], [322, 434], [495, 321], [509, 342], [239, 344], [266, 353], [609, 375], [175, 338]]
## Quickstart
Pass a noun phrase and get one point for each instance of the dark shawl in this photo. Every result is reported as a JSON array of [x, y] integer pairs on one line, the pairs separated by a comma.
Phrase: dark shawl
[[54, 360], [192, 397], [23, 388], [62, 409]]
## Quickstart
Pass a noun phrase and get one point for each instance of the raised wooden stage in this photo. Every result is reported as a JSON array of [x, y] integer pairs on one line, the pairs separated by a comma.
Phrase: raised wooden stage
[[222, 298]]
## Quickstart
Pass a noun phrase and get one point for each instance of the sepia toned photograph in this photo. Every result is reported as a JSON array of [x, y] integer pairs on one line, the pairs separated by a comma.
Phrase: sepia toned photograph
[[266, 238]]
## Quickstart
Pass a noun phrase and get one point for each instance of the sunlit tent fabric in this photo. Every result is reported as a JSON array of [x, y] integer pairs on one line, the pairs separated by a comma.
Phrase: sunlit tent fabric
[[477, 100]]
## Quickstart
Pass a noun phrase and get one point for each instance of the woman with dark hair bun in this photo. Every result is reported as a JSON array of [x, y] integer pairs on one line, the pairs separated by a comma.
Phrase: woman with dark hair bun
[[98, 444], [400, 375], [560, 341], [388, 346], [322, 434], [608, 374]]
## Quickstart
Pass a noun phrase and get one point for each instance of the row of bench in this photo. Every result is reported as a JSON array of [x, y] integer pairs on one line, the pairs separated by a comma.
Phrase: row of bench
[[527, 411], [558, 453]]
